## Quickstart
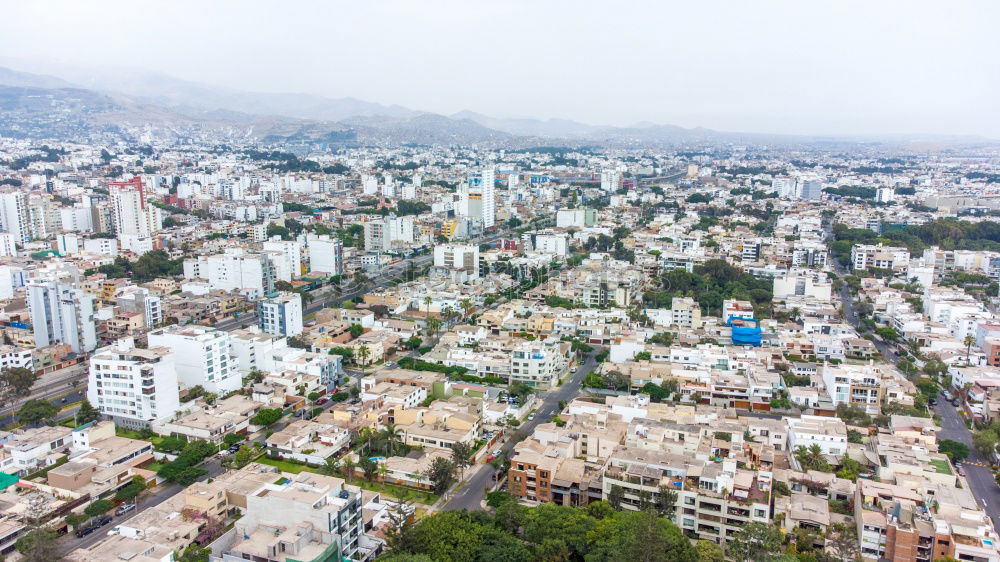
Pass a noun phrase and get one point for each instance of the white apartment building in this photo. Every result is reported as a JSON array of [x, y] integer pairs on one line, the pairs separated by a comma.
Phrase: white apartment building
[[551, 244], [829, 433], [14, 215], [141, 300], [132, 215], [201, 357], [488, 186], [454, 258], [538, 364], [280, 314], [8, 244], [286, 256], [854, 384], [610, 180], [132, 386], [62, 313], [803, 283], [864, 256], [326, 254], [234, 270]]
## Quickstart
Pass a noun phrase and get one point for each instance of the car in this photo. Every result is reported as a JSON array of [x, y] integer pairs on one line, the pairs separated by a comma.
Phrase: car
[[932, 401], [321, 401], [531, 417], [84, 531], [124, 508], [103, 520], [954, 402], [498, 453], [235, 447], [946, 394]]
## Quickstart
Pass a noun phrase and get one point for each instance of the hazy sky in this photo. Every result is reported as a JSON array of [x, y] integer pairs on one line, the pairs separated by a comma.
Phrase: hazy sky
[[797, 66]]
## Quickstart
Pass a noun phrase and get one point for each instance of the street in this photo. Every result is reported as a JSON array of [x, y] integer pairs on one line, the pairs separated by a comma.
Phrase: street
[[150, 499], [471, 495], [979, 476], [977, 471]]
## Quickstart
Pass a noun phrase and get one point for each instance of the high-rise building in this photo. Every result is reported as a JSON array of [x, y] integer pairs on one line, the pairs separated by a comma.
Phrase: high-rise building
[[811, 188], [8, 244], [369, 185], [234, 270], [388, 185], [326, 254], [201, 356], [62, 313], [132, 216], [280, 314], [457, 257], [14, 215], [610, 180], [287, 257], [142, 301], [132, 386], [487, 187]]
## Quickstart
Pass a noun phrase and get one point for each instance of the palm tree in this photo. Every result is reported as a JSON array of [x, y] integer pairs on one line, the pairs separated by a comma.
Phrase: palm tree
[[362, 356], [427, 302], [392, 436], [968, 341], [331, 467], [382, 471], [466, 304], [347, 468]]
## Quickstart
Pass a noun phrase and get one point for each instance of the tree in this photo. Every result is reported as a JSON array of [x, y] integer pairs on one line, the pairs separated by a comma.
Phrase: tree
[[244, 456], [87, 413], [842, 541], [98, 507], [615, 380], [441, 474], [356, 330], [413, 343], [708, 551], [985, 442], [956, 450], [131, 492], [368, 466], [362, 355], [36, 411], [755, 542], [347, 467], [19, 379], [615, 496], [460, 453], [298, 342], [666, 499], [812, 458], [266, 416], [39, 545], [968, 341], [331, 467]]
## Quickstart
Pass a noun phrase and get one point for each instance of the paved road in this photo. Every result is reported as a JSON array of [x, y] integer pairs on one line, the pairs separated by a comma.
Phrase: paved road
[[980, 478], [158, 495], [471, 495]]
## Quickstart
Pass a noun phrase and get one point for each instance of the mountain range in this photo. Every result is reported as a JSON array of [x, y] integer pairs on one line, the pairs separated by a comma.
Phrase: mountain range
[[103, 98]]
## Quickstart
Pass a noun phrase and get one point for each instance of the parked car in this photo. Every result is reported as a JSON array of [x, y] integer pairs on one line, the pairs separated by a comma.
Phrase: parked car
[[84, 531], [124, 508], [531, 416], [103, 520], [321, 401], [954, 402]]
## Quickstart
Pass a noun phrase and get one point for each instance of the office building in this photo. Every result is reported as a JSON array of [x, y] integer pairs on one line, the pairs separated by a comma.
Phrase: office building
[[132, 215]]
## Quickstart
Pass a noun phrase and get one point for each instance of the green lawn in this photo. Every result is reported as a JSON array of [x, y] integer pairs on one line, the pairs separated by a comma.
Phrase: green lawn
[[155, 466], [286, 466], [941, 466]]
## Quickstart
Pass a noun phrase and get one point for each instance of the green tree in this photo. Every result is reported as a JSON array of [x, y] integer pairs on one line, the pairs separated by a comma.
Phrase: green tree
[[266, 416], [87, 413], [441, 474], [356, 330], [461, 454], [36, 411], [666, 499], [39, 545], [19, 379], [98, 507], [708, 551], [755, 542], [956, 450], [985, 442], [615, 496]]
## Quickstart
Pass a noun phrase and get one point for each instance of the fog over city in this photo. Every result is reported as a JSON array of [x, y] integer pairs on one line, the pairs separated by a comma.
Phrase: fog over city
[[784, 67]]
